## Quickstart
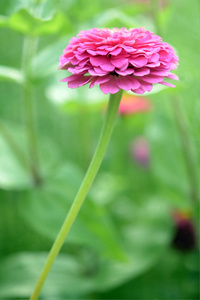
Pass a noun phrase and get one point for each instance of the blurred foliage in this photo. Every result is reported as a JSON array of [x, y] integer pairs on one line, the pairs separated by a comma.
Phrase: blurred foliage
[[120, 244]]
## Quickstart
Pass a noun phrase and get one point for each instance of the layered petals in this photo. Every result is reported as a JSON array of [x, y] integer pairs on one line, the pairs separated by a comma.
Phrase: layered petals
[[128, 59], [127, 83]]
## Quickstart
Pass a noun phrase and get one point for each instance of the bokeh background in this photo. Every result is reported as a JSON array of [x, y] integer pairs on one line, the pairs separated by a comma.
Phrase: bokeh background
[[136, 236]]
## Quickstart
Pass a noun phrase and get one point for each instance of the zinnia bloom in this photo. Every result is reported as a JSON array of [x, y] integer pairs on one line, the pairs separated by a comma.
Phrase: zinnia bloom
[[133, 59]]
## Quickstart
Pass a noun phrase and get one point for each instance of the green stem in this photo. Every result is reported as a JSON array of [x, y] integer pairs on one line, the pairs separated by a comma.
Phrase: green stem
[[110, 118], [13, 145], [29, 47], [187, 148]]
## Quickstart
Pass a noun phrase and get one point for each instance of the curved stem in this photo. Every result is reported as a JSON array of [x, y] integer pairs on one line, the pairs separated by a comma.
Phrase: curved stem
[[29, 47], [187, 149], [110, 118]]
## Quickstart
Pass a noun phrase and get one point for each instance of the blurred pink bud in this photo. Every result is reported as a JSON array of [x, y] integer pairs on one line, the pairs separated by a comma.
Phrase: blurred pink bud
[[134, 104], [140, 151], [161, 3], [184, 236]]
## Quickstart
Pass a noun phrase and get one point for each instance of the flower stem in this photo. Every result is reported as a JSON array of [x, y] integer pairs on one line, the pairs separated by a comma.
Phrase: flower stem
[[108, 125], [187, 149], [16, 149], [29, 47]]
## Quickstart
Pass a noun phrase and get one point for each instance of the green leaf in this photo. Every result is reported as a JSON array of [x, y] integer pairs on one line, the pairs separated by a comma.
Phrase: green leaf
[[106, 188], [12, 174], [46, 62], [115, 18], [10, 74], [76, 100], [145, 230], [123, 250], [46, 208], [171, 278], [59, 22], [19, 272], [24, 22], [4, 21]]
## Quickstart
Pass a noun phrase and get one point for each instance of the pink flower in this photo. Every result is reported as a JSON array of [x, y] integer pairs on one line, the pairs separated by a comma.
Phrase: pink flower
[[161, 3], [133, 104], [133, 59], [140, 151]]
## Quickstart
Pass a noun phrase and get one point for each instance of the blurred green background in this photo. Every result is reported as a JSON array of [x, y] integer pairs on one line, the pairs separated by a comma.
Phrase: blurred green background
[[136, 235]]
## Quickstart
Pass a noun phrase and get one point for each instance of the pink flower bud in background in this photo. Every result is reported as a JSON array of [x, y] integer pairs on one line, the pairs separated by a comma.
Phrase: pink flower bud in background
[[133, 104], [161, 3], [184, 236], [140, 151]]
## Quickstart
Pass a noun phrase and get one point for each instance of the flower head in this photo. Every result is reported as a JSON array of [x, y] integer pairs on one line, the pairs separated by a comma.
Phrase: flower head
[[128, 59]]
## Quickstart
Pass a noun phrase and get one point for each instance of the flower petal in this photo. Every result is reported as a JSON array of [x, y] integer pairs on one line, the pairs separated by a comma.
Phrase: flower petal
[[97, 71], [128, 71], [107, 67], [79, 82], [141, 72], [162, 72], [138, 91], [99, 80], [168, 84], [152, 78], [172, 76], [119, 62], [135, 82], [123, 82], [98, 60], [116, 51], [71, 78], [110, 86], [127, 83], [146, 86], [138, 62]]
